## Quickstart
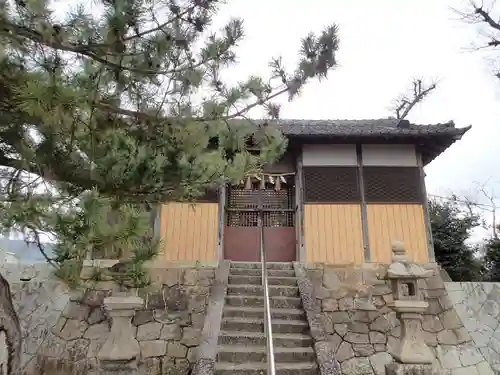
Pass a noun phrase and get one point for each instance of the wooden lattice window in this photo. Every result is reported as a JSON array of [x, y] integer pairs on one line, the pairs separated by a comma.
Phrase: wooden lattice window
[[331, 185], [277, 205], [392, 185]]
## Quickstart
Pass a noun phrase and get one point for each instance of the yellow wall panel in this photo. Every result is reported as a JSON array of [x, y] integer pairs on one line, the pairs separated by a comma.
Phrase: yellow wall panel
[[397, 222], [189, 232], [333, 234]]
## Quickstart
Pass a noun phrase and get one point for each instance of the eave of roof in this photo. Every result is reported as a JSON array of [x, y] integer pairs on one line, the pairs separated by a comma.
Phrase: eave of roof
[[432, 139], [377, 127]]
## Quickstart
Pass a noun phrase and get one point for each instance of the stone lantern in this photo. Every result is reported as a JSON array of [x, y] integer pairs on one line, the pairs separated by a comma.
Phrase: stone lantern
[[412, 355], [121, 350]]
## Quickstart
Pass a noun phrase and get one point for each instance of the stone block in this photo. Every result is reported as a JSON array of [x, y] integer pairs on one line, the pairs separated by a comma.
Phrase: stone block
[[77, 311], [153, 348], [97, 331], [335, 340], [197, 304], [176, 298], [198, 320], [340, 329], [377, 338], [94, 298], [432, 323], [176, 350], [484, 368], [191, 276], [73, 329], [96, 316], [462, 335], [329, 304], [362, 317], [469, 356], [434, 307], [339, 317], [171, 332], [357, 338], [447, 337], [142, 317], [149, 331], [357, 327], [149, 366], [344, 352], [94, 348], [190, 336], [406, 369], [191, 354], [357, 366], [156, 300], [379, 361], [450, 359], [363, 350], [76, 350], [451, 320], [346, 304], [471, 370]]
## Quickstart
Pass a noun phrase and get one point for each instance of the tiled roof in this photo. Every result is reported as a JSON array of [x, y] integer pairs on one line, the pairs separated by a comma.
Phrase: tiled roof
[[378, 127]]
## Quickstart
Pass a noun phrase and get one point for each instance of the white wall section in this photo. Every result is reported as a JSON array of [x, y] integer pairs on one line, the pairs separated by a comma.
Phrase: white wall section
[[329, 155], [389, 155]]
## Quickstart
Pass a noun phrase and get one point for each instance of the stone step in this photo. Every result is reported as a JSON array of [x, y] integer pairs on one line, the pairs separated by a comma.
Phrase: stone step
[[258, 290], [257, 325], [288, 340], [243, 354], [258, 272], [257, 280], [258, 301], [258, 265], [259, 368], [258, 312]]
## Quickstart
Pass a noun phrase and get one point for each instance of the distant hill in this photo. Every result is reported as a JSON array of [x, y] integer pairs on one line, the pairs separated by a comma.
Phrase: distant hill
[[26, 252]]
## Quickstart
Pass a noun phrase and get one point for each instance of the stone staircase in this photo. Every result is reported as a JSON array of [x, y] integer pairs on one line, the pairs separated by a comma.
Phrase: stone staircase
[[242, 342]]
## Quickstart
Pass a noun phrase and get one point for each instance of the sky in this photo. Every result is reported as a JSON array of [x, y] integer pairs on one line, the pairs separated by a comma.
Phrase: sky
[[383, 45]]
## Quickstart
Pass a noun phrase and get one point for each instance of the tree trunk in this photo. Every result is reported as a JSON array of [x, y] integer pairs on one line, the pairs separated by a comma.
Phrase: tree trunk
[[10, 332]]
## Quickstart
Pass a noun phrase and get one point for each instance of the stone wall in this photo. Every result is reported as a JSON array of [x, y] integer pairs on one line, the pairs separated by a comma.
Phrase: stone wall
[[39, 300], [477, 304], [362, 328], [63, 331]]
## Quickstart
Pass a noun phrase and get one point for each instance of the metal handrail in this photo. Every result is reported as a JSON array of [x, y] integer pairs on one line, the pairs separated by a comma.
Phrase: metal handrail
[[267, 309]]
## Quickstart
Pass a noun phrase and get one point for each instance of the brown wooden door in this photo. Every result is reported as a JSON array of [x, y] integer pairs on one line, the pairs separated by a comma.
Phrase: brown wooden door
[[241, 232]]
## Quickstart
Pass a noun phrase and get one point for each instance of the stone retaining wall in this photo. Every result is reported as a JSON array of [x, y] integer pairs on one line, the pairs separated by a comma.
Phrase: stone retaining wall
[[168, 329], [477, 304], [63, 331], [38, 301], [362, 329]]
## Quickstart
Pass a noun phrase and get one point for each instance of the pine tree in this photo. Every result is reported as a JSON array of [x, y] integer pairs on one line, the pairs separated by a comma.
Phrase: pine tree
[[105, 114]]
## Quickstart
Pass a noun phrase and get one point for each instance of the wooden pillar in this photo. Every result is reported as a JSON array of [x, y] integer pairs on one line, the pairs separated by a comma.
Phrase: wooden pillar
[[364, 214], [299, 212], [222, 212], [425, 202]]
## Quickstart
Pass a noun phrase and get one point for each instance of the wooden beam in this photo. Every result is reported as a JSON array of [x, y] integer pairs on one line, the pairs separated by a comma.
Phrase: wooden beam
[[364, 213]]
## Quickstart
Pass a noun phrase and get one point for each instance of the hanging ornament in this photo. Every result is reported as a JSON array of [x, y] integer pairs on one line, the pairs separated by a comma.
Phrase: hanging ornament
[[248, 184], [277, 185], [262, 183], [271, 180], [282, 178]]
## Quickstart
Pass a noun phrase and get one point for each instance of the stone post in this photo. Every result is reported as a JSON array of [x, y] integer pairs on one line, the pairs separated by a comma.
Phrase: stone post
[[412, 355], [121, 349]]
